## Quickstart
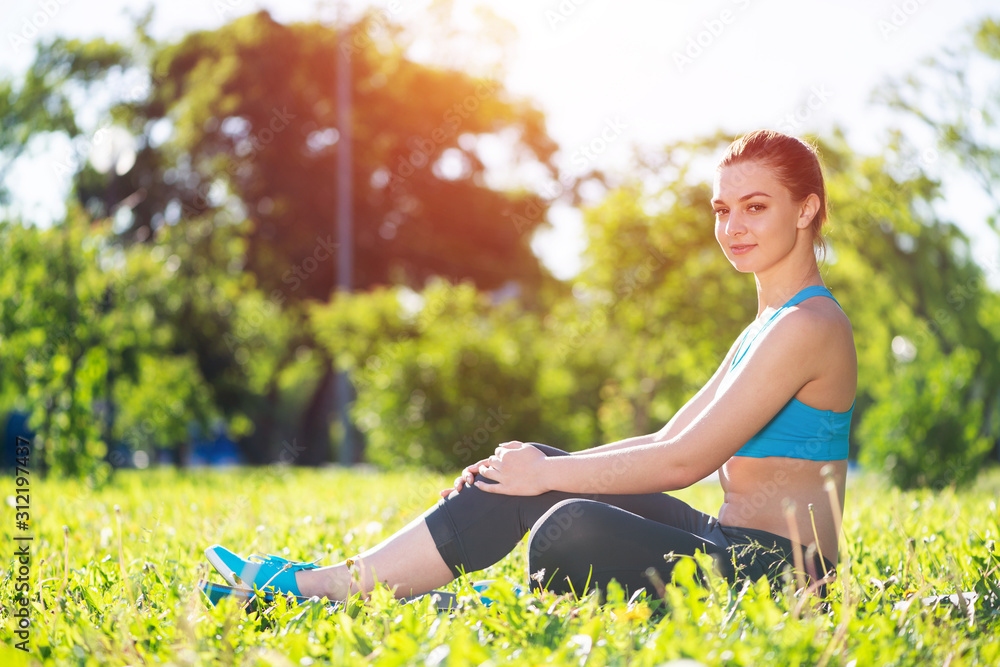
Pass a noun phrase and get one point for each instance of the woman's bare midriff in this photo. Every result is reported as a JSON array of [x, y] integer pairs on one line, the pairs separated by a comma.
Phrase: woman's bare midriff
[[756, 489]]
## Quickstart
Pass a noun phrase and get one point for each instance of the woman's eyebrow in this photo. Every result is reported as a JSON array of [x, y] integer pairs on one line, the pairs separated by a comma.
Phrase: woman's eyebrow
[[744, 197], [754, 194]]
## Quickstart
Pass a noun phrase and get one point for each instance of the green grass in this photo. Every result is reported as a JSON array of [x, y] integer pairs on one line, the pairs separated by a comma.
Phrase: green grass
[[143, 608]]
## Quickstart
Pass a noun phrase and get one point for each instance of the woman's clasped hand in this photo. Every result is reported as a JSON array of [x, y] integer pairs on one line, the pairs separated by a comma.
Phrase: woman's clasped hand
[[514, 469]]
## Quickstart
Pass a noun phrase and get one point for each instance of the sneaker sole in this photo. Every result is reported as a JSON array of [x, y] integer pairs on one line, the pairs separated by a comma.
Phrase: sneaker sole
[[223, 569], [214, 593]]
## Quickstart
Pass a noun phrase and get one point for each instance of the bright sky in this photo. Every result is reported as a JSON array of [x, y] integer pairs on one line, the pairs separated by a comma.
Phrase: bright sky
[[641, 72]]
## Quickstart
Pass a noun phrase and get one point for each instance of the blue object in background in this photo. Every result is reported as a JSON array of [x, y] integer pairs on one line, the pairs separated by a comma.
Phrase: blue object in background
[[219, 450], [16, 424], [216, 449]]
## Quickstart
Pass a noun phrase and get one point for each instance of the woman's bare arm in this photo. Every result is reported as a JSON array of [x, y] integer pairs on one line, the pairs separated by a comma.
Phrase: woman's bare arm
[[770, 376], [681, 419]]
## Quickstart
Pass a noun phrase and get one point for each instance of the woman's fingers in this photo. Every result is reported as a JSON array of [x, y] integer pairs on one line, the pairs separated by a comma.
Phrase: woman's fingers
[[488, 468], [467, 476], [474, 468], [514, 444], [457, 485]]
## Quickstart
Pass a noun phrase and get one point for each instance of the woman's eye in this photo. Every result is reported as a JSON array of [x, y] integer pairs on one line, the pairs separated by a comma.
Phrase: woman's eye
[[756, 208], [721, 211]]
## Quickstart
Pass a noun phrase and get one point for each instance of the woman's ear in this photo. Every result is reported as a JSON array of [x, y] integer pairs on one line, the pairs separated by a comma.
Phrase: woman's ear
[[808, 210]]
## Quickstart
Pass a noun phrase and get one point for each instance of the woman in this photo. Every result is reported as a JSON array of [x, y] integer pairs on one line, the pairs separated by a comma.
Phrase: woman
[[772, 417]]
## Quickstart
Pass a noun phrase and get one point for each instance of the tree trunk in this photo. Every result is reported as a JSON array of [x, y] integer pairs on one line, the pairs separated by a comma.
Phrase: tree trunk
[[314, 431]]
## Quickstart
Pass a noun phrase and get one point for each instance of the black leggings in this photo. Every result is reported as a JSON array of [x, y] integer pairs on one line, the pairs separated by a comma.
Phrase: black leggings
[[584, 541]]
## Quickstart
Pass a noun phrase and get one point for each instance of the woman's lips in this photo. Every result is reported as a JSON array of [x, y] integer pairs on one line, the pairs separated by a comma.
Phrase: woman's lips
[[742, 249]]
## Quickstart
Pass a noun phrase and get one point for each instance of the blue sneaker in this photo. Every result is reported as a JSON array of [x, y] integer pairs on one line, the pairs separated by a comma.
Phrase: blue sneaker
[[261, 572], [483, 585], [216, 592]]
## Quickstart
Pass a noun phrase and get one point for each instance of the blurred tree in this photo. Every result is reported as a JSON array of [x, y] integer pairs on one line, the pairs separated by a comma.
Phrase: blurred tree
[[42, 101], [657, 295], [93, 349], [928, 430], [246, 115], [954, 98], [444, 375], [56, 353], [924, 317], [87, 351], [191, 284], [242, 121]]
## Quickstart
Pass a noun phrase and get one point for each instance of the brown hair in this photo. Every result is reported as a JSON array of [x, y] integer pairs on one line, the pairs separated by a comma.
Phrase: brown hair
[[794, 162]]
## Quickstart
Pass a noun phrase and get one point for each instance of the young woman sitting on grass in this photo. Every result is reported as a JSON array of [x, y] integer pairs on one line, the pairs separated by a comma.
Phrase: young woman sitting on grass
[[774, 415]]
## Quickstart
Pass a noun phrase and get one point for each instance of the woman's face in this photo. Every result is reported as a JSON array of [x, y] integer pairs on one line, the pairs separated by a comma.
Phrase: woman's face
[[756, 221]]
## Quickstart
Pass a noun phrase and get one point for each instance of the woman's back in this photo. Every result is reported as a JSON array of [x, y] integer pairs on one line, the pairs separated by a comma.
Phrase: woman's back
[[759, 481]]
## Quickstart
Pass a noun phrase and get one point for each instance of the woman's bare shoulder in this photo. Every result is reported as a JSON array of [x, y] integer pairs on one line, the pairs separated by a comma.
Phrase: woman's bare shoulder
[[819, 337], [822, 319]]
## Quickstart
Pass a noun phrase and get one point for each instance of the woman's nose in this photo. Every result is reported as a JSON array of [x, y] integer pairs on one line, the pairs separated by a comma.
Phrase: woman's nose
[[735, 225]]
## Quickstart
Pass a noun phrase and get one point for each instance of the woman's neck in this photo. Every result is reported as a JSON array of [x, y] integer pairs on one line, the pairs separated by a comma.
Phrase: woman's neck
[[776, 286]]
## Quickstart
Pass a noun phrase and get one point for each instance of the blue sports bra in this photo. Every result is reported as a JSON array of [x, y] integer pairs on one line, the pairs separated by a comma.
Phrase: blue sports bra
[[798, 431]]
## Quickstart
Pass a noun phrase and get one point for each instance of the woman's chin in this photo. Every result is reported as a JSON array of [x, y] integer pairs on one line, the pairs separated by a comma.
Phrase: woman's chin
[[741, 265]]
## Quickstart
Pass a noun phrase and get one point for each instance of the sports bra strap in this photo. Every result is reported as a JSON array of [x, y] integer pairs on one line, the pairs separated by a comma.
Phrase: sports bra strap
[[806, 293], [800, 296]]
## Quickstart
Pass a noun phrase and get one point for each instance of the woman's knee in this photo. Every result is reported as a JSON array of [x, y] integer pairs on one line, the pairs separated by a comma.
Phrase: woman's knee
[[562, 530], [563, 542]]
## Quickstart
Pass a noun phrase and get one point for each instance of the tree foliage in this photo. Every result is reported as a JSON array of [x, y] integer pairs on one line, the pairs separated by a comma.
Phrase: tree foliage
[[191, 286], [948, 282], [443, 375], [236, 136], [251, 113], [657, 291]]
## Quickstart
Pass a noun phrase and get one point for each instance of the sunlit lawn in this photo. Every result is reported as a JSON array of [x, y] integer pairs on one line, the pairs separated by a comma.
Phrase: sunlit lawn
[[901, 545]]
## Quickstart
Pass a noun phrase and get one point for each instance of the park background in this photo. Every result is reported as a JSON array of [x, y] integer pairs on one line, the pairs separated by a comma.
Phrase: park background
[[532, 258], [170, 289]]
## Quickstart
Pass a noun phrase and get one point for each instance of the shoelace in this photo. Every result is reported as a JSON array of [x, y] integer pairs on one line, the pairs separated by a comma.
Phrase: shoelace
[[283, 563]]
